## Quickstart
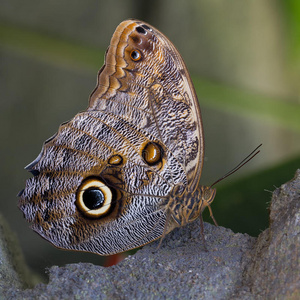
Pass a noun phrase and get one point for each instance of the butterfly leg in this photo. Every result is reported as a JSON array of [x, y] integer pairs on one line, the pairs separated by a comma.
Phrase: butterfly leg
[[211, 215]]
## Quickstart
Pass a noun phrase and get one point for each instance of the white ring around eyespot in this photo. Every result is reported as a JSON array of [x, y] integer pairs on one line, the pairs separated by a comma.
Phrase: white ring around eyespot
[[94, 213]]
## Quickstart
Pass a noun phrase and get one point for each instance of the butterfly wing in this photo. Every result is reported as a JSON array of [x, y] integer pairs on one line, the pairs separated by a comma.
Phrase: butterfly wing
[[159, 93], [102, 183]]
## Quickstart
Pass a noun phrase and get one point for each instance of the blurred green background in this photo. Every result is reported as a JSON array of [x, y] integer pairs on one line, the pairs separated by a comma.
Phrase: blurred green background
[[244, 58]]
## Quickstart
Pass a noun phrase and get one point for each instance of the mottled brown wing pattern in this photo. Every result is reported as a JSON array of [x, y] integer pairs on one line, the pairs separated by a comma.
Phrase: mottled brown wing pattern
[[106, 181], [159, 95]]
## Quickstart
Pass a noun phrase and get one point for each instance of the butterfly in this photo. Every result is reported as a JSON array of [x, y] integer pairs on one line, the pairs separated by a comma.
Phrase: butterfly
[[125, 171]]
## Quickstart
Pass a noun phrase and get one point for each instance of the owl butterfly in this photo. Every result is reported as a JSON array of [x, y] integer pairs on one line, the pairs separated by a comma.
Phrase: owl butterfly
[[126, 171]]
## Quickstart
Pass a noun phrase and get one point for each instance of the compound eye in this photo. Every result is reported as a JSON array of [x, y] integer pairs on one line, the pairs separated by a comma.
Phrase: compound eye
[[94, 198]]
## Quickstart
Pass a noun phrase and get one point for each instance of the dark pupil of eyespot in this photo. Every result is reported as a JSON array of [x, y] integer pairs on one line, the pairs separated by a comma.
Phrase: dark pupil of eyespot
[[135, 55], [140, 30], [93, 198]]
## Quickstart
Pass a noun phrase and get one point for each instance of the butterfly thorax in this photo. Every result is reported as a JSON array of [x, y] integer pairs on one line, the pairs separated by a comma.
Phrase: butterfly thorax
[[188, 205]]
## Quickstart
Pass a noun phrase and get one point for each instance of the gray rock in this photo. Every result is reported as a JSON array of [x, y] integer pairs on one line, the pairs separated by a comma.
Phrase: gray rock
[[13, 271], [236, 266], [180, 268], [274, 271]]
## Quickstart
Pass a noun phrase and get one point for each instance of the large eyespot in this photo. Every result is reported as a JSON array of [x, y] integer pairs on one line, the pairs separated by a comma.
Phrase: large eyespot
[[94, 198], [135, 55], [152, 153]]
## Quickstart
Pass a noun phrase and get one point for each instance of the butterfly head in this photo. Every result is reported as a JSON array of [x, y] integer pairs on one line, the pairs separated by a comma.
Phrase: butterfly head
[[207, 195]]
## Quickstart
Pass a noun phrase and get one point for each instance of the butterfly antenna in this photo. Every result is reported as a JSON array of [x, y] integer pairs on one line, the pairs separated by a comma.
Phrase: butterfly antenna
[[242, 163]]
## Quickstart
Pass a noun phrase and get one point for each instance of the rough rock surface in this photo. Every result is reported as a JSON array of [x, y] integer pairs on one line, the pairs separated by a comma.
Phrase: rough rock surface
[[274, 271], [236, 266], [13, 272]]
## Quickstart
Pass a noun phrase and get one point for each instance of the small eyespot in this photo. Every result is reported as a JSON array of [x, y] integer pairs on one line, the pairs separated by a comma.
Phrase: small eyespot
[[141, 30], [115, 160], [135, 55], [94, 198], [152, 153]]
